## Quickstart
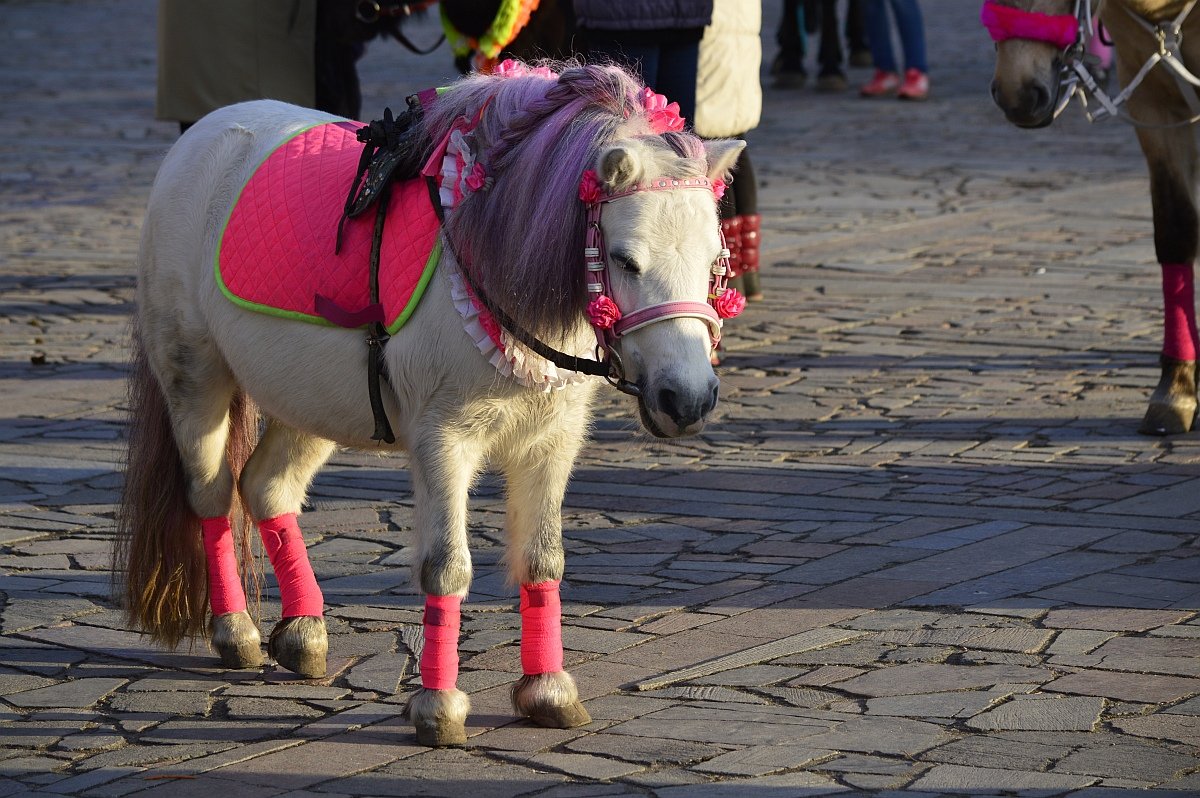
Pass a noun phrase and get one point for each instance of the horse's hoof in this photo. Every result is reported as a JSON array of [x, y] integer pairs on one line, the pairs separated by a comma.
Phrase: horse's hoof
[[235, 638], [300, 644], [1173, 404], [550, 700], [439, 716]]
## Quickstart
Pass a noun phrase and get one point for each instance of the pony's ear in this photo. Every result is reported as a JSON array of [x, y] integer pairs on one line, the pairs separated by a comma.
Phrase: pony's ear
[[722, 154], [620, 168]]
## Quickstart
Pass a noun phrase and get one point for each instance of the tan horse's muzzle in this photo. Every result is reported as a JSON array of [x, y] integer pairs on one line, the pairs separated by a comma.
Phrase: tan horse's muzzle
[[1027, 82]]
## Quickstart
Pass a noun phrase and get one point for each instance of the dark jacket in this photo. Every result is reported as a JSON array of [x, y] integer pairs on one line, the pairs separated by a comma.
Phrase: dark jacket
[[642, 14]]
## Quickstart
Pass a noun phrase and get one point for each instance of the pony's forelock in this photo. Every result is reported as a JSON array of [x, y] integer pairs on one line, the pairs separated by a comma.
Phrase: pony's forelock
[[522, 239]]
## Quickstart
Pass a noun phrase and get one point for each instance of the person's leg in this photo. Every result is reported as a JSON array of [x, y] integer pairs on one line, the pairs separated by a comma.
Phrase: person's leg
[[638, 55], [856, 35], [879, 34], [745, 191], [788, 66], [911, 26], [830, 78], [678, 62]]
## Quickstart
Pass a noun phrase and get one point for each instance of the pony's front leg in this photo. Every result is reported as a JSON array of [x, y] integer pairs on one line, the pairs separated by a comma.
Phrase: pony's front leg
[[1171, 156], [537, 480], [273, 485], [443, 466]]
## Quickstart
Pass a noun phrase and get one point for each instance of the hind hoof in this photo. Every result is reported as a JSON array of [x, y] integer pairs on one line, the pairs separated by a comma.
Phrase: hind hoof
[[1168, 419], [550, 700], [301, 645], [439, 716], [235, 638], [567, 717]]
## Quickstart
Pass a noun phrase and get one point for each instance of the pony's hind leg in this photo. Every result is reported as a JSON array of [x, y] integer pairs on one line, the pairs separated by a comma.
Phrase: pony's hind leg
[[273, 485], [444, 463], [536, 481]]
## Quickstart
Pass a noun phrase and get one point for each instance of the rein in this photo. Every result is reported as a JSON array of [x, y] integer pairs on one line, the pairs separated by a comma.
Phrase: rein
[[1071, 33]]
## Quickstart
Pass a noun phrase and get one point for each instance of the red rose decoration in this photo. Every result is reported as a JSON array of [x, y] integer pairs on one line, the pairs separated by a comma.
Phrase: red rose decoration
[[604, 313], [718, 187], [729, 304], [589, 188]]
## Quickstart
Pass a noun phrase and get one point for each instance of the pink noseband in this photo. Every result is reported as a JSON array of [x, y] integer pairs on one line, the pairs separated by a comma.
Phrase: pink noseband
[[1006, 22]]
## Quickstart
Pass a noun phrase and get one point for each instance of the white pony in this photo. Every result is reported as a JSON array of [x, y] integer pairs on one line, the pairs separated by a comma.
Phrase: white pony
[[524, 161]]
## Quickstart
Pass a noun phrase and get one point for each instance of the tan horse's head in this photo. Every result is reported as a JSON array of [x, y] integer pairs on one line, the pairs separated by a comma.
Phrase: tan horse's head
[[1027, 82]]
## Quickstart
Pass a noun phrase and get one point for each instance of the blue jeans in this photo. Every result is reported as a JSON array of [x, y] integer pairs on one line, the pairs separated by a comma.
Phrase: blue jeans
[[912, 34]]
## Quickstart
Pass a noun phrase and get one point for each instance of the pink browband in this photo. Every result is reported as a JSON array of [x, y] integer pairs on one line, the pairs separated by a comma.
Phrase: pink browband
[[606, 318], [1005, 22]]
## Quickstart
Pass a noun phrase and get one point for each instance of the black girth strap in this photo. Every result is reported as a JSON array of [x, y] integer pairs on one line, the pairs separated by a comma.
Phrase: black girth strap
[[377, 334]]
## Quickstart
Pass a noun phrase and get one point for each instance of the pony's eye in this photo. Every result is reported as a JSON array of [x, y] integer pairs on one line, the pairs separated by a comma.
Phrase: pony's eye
[[627, 264]]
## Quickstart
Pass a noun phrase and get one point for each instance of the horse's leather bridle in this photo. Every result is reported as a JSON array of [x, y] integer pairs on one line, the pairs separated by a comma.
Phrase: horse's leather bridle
[[1075, 79]]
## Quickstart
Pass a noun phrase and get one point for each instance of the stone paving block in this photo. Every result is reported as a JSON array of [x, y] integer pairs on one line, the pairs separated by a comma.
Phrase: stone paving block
[[703, 725], [956, 778], [584, 766], [189, 703], [450, 772], [916, 679], [800, 783], [958, 704], [1145, 687], [652, 752], [317, 761], [1181, 728], [880, 735], [761, 760], [257, 708], [77, 693], [1042, 713], [1118, 757], [1113, 620]]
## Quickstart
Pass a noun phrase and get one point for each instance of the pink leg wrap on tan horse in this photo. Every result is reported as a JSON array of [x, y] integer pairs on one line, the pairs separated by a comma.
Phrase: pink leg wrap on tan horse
[[224, 584], [439, 657], [289, 559], [541, 629], [1179, 304]]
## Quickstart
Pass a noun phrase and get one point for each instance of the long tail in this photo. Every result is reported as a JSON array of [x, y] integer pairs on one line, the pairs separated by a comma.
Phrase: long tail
[[159, 548]]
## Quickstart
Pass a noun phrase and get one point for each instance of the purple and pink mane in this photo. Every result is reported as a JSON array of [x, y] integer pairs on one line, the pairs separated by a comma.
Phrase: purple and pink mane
[[520, 238]]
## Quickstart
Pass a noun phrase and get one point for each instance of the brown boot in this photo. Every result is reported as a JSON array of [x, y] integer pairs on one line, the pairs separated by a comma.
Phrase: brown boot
[[748, 255]]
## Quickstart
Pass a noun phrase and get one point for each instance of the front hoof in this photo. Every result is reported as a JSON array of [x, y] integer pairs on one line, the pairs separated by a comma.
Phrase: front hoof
[[439, 716], [550, 700], [301, 645], [1173, 405], [235, 638]]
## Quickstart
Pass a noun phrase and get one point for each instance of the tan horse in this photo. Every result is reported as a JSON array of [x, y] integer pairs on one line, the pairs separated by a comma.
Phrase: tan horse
[[1029, 88]]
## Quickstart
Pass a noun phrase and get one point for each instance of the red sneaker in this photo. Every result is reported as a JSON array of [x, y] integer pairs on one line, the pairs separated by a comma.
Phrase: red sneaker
[[915, 87], [883, 83]]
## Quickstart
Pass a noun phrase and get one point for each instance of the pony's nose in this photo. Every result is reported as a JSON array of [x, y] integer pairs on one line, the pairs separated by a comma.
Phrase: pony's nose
[[1033, 105], [687, 408]]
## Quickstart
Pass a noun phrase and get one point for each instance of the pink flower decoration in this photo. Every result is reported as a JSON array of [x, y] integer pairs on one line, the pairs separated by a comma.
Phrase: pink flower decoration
[[589, 188], [718, 187], [476, 177], [663, 117], [603, 312], [729, 304], [508, 68]]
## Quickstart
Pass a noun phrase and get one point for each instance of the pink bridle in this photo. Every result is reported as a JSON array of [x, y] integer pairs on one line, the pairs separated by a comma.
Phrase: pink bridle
[[608, 321], [1005, 22]]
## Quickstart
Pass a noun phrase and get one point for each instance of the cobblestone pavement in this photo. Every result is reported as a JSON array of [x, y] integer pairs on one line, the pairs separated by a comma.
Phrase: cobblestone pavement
[[923, 551]]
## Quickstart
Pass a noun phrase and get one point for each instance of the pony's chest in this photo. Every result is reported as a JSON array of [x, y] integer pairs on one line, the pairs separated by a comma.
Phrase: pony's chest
[[277, 256]]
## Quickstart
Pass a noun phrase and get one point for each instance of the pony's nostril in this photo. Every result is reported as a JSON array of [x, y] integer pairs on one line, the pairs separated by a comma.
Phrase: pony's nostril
[[1036, 97], [712, 399], [668, 402]]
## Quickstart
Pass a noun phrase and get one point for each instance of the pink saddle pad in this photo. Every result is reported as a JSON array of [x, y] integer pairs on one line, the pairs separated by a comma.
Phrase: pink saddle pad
[[276, 254]]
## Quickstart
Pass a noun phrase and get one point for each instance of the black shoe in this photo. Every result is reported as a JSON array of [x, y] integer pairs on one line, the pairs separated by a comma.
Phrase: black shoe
[[787, 72], [832, 80]]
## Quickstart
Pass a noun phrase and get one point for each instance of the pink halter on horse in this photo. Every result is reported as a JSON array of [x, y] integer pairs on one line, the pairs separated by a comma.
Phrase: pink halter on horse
[[606, 317]]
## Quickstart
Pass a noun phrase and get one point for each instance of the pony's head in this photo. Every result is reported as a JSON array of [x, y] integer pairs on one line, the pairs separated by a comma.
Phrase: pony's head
[[1031, 37], [521, 236]]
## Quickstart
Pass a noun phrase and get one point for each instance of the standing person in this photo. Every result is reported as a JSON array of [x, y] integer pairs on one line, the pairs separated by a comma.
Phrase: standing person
[[658, 39], [729, 105], [911, 26], [787, 70]]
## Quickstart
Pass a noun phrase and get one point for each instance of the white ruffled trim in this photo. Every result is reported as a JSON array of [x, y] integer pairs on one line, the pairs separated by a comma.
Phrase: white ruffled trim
[[515, 360]]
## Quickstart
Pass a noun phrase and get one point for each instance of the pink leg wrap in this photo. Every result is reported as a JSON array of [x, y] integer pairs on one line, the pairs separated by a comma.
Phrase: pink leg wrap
[[1179, 304], [541, 629], [224, 585], [439, 658], [289, 559]]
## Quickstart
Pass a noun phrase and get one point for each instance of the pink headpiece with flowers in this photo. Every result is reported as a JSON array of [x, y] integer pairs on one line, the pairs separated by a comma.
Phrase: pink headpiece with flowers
[[1006, 22]]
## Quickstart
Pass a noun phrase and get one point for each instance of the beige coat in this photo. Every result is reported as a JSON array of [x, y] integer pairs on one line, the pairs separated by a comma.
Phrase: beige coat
[[218, 52], [728, 92]]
